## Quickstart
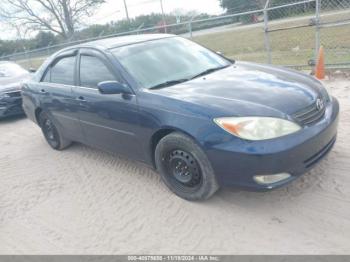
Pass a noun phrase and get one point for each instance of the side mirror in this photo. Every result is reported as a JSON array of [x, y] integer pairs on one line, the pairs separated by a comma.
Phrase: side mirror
[[32, 70], [112, 87]]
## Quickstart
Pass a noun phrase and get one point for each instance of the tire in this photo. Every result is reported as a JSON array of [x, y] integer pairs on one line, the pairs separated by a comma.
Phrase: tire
[[51, 133], [185, 168]]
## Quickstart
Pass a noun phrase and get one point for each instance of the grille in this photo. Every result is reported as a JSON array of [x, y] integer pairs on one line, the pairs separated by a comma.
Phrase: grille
[[310, 115]]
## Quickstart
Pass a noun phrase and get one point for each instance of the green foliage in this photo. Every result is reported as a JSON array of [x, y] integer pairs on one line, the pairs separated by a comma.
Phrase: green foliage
[[44, 39], [238, 6]]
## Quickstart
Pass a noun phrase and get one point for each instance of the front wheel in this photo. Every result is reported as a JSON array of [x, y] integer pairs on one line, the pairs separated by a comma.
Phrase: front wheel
[[185, 168], [51, 134]]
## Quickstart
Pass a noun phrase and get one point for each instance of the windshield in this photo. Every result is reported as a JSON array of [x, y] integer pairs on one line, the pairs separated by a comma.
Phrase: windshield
[[168, 60], [10, 70]]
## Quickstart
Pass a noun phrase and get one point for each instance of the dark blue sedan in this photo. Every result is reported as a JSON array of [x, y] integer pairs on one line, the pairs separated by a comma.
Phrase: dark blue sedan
[[200, 119]]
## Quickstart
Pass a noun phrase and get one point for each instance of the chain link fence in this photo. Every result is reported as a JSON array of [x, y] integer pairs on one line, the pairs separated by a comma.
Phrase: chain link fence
[[291, 32], [335, 32], [281, 32]]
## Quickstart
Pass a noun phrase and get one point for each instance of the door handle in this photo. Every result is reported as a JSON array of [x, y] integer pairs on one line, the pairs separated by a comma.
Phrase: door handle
[[81, 99], [43, 91]]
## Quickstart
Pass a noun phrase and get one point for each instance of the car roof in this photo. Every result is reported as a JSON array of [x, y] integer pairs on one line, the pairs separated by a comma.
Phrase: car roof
[[113, 42]]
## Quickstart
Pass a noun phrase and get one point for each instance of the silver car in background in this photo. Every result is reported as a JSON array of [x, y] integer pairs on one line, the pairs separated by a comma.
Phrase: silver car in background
[[11, 78]]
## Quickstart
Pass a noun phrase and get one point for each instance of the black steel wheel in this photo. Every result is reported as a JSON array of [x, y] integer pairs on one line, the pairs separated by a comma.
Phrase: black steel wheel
[[183, 170], [51, 133], [184, 167]]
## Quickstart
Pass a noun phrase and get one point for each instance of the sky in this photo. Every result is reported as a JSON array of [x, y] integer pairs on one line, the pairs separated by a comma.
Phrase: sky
[[113, 10]]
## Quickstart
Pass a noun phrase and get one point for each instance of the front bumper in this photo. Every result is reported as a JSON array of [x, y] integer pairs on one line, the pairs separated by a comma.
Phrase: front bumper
[[11, 106], [235, 163]]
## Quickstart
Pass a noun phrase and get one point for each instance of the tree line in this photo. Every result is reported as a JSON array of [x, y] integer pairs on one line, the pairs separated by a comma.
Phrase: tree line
[[238, 6], [59, 21], [45, 38]]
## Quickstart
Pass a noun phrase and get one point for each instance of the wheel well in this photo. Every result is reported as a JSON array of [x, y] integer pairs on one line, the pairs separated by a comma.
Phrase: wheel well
[[157, 136], [37, 113]]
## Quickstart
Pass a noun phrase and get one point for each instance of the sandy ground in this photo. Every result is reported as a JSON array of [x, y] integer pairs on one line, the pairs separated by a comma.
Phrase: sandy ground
[[84, 201]]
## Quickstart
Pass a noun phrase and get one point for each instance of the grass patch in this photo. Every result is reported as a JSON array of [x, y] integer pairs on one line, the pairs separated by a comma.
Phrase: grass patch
[[288, 47]]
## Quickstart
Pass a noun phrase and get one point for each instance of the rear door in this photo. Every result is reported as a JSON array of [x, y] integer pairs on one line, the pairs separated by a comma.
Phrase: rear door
[[56, 94], [108, 121]]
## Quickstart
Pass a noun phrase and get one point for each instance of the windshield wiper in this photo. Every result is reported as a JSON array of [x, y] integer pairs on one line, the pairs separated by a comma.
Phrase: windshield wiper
[[210, 70], [178, 81], [169, 83]]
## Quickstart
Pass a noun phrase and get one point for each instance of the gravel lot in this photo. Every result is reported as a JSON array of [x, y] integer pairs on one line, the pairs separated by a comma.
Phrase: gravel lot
[[84, 201]]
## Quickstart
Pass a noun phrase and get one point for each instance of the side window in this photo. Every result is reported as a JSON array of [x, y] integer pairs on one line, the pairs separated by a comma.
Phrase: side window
[[93, 71], [63, 71]]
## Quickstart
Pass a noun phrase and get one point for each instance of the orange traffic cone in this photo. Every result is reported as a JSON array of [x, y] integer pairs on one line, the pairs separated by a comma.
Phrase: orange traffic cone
[[319, 70]]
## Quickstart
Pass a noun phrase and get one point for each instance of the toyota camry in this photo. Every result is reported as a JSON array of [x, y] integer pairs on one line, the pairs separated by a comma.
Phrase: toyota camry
[[201, 120]]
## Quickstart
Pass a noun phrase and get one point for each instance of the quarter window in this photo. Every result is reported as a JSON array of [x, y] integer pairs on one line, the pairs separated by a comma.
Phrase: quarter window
[[93, 71]]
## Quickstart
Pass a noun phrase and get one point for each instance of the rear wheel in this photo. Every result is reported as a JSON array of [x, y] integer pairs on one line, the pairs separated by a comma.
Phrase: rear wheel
[[185, 168], [51, 134]]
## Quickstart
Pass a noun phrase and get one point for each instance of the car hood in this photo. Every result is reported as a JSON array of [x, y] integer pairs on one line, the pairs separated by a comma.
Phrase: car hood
[[11, 84], [249, 85]]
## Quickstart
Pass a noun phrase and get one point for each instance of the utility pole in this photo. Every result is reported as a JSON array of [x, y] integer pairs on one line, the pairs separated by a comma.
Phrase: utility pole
[[266, 33], [126, 11], [317, 22], [164, 23]]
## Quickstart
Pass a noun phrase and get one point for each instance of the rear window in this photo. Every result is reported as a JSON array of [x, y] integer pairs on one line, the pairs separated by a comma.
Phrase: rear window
[[62, 72]]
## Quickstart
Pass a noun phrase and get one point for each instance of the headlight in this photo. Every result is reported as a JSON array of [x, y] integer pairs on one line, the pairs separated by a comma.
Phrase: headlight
[[257, 128]]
